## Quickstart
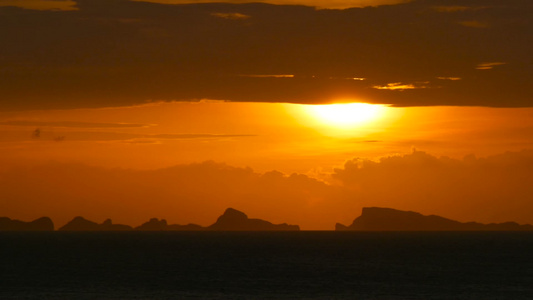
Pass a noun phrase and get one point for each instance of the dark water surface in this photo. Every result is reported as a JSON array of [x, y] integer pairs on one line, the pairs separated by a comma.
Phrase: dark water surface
[[266, 265]]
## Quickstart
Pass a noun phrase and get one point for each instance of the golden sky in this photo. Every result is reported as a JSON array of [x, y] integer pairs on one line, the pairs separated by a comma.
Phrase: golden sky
[[138, 109]]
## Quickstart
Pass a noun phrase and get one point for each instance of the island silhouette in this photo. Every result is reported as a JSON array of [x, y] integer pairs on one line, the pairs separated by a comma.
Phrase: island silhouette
[[82, 224], [371, 219], [41, 224], [161, 225], [388, 219], [234, 220], [231, 220]]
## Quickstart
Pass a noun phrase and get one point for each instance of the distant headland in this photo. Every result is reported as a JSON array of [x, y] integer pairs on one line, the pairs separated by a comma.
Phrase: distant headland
[[231, 220], [41, 224], [388, 219], [371, 219]]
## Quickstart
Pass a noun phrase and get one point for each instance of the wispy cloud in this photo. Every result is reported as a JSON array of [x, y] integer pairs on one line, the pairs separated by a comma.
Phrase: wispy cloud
[[101, 136], [321, 4], [70, 124], [449, 78], [489, 65], [63, 5], [196, 136], [457, 8], [231, 16], [267, 75], [399, 86], [159, 138]]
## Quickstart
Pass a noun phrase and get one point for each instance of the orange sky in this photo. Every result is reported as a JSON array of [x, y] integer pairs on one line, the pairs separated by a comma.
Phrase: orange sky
[[138, 109], [282, 138], [285, 137]]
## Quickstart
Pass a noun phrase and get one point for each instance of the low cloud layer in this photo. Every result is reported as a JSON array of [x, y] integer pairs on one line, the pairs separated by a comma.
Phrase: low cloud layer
[[46, 135], [320, 4], [492, 189], [119, 53], [71, 124], [54, 5]]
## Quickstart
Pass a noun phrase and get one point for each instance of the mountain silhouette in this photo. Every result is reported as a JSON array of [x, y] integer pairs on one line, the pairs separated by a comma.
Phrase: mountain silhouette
[[161, 225], [388, 219], [82, 224], [234, 220], [41, 224]]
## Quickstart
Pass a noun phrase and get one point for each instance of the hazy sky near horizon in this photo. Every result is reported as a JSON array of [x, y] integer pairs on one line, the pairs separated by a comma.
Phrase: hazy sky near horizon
[[179, 109]]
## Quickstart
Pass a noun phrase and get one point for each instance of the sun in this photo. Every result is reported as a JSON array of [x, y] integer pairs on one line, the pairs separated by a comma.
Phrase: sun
[[346, 115], [354, 119]]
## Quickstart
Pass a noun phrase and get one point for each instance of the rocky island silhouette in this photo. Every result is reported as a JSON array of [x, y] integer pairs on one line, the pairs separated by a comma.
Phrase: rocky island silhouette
[[41, 224], [388, 219], [231, 220], [161, 225], [234, 220], [82, 224], [371, 219]]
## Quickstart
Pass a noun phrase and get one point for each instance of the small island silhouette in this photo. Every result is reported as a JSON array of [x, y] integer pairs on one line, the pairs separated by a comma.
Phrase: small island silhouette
[[161, 225], [231, 220], [82, 224], [388, 219], [234, 220], [41, 224]]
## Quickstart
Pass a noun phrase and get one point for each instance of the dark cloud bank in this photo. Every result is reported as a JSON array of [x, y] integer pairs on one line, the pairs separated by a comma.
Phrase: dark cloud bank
[[119, 52], [493, 189]]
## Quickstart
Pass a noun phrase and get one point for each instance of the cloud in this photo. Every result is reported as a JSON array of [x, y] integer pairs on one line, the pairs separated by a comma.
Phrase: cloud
[[194, 193], [55, 5], [491, 189], [486, 189], [321, 4], [131, 53], [489, 65], [457, 8], [197, 136], [104, 136], [72, 124], [268, 76], [449, 78], [399, 86], [231, 16]]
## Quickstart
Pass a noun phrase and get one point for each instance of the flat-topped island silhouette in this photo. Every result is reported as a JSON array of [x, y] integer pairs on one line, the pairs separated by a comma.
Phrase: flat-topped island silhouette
[[388, 219]]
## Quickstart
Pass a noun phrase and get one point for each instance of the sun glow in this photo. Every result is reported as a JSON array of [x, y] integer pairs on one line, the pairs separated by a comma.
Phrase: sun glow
[[344, 120], [346, 115]]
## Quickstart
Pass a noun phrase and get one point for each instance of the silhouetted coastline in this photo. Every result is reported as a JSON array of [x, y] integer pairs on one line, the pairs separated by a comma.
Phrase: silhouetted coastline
[[234, 220], [371, 219], [41, 224], [161, 225], [82, 224], [231, 220], [388, 219]]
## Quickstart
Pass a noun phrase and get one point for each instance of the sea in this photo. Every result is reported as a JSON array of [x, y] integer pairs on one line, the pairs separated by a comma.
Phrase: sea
[[266, 265]]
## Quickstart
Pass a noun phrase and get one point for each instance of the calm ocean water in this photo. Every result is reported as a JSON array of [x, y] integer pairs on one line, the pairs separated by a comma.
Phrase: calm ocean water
[[266, 265]]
